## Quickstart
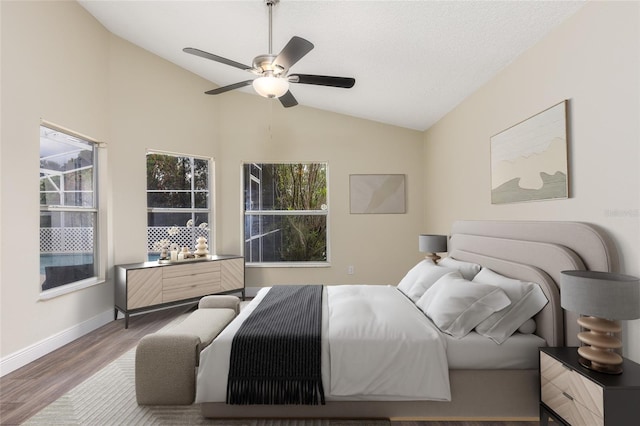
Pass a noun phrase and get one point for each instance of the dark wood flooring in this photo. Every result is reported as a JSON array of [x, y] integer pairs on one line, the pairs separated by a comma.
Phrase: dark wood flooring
[[28, 390]]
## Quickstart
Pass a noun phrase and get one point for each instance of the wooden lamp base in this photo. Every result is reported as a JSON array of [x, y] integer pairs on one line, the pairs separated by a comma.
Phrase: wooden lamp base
[[600, 342], [432, 256]]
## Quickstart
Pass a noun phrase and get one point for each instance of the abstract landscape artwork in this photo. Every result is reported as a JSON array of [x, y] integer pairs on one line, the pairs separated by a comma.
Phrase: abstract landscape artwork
[[529, 160], [377, 194]]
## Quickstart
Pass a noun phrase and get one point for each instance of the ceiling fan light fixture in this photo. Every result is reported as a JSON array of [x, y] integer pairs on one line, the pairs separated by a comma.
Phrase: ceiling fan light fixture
[[273, 70], [271, 87]]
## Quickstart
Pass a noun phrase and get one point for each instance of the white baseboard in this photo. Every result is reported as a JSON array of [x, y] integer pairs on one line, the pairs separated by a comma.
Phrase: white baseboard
[[29, 354]]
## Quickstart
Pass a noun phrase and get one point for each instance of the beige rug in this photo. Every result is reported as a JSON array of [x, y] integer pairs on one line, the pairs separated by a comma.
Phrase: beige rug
[[108, 398]]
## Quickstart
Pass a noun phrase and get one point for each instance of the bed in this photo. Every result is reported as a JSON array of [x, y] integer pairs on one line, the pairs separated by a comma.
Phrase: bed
[[489, 385]]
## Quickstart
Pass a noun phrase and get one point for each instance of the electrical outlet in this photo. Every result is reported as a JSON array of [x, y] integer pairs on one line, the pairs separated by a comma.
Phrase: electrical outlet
[[350, 270]]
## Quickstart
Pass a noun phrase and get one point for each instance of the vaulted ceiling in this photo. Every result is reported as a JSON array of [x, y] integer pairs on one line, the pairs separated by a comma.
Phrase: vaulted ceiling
[[413, 61]]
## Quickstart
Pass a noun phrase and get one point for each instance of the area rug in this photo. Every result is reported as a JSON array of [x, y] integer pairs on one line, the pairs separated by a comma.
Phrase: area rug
[[108, 398]]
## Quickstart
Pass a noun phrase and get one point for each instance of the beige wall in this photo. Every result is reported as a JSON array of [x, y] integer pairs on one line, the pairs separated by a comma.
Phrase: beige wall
[[54, 67], [593, 61], [61, 65], [153, 105], [380, 247]]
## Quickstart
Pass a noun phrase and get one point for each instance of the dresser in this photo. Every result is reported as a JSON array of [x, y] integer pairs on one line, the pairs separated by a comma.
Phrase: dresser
[[575, 395], [146, 286]]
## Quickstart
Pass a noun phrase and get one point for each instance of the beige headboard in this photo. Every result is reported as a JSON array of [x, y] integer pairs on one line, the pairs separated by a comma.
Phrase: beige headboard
[[537, 252]]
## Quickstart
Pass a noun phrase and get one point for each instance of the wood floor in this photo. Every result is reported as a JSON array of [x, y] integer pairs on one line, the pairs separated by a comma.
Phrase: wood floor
[[29, 389]]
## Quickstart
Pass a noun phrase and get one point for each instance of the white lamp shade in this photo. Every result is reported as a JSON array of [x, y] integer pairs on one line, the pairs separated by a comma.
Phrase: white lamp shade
[[271, 87], [601, 294], [432, 243]]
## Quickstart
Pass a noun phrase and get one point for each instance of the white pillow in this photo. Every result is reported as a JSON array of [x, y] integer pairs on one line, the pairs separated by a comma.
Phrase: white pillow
[[527, 299], [529, 327], [428, 276], [467, 269], [456, 305], [412, 276]]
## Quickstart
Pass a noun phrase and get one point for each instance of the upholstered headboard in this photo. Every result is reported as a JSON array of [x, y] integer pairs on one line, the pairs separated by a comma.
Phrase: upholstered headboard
[[537, 252]]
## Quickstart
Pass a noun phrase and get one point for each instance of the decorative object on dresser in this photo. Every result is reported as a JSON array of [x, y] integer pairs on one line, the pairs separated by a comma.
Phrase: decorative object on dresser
[[201, 247], [600, 295], [432, 244], [574, 395], [148, 286]]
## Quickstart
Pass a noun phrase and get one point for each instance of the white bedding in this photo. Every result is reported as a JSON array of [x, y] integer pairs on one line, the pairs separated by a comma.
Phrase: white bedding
[[377, 337], [381, 345], [476, 352]]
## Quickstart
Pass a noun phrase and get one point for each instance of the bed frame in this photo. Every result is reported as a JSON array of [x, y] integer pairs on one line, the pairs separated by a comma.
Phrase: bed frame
[[531, 251]]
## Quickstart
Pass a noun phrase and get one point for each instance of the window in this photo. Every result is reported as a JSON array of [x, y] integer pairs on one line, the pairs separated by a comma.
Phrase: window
[[285, 213], [68, 209], [178, 202]]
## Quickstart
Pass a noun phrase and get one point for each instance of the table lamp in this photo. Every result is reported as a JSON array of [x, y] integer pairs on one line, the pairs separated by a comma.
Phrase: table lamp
[[600, 295], [432, 244]]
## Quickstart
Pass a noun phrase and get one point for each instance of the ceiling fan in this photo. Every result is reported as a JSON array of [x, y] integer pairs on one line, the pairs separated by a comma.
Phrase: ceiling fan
[[273, 70]]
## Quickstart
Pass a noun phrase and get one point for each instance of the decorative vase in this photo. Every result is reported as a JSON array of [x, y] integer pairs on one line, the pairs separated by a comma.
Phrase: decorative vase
[[184, 254], [164, 254], [201, 247]]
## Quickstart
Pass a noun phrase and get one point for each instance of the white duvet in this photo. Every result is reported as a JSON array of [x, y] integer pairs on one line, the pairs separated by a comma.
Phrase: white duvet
[[376, 346]]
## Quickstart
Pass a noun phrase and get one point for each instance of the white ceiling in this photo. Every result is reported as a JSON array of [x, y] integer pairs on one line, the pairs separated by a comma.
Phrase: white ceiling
[[413, 61]]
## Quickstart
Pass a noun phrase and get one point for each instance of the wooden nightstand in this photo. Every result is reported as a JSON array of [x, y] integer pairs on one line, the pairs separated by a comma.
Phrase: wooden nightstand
[[575, 395]]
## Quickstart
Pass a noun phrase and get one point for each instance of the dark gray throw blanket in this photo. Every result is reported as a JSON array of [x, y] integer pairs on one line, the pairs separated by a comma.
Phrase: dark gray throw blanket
[[276, 352]]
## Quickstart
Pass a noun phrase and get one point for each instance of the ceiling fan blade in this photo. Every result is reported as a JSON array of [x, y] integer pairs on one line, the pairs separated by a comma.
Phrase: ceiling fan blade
[[287, 100], [216, 58], [323, 80], [229, 87], [293, 52]]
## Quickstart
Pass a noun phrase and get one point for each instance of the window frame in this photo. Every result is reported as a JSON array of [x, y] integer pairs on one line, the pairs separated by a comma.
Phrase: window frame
[[209, 210], [97, 209], [244, 213]]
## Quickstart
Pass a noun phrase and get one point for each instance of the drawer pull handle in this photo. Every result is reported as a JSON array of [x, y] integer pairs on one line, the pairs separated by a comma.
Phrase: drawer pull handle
[[567, 395]]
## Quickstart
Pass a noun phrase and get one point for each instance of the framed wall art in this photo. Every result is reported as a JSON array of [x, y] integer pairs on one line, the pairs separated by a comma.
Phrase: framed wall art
[[377, 194], [529, 159]]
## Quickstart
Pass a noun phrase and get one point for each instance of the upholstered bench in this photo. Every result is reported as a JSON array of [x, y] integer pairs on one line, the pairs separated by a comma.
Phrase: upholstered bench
[[166, 361]]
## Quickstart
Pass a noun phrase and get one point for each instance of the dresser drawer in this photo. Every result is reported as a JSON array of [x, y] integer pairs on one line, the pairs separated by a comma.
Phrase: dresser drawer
[[568, 408], [185, 290], [207, 279], [564, 390], [190, 280], [577, 396], [189, 269]]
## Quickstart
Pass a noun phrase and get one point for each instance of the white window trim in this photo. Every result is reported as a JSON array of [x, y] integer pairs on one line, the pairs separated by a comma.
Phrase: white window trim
[[101, 241], [244, 213], [70, 288], [326, 264], [212, 246]]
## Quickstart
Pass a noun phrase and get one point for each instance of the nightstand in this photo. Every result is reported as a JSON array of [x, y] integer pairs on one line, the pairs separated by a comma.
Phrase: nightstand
[[575, 395]]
